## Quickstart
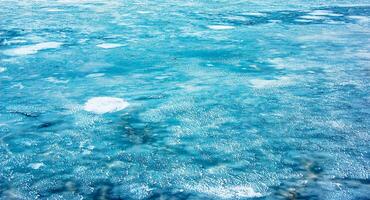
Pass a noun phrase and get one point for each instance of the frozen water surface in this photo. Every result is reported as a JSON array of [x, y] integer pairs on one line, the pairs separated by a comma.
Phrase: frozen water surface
[[115, 99]]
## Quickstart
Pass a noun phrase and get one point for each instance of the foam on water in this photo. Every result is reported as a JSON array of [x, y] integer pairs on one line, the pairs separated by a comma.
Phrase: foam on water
[[32, 49], [109, 45], [102, 105]]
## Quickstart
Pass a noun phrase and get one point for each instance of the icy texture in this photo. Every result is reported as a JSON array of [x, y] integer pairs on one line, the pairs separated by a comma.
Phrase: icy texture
[[264, 99]]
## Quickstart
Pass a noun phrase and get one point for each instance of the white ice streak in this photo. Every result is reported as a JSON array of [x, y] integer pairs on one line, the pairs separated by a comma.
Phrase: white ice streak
[[263, 83], [95, 75], [220, 27], [32, 49], [109, 45], [324, 13]]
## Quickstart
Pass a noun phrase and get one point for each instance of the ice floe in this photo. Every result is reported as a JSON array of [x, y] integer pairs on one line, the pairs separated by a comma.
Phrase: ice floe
[[263, 83], [32, 49], [101, 105], [220, 27], [109, 45], [2, 69]]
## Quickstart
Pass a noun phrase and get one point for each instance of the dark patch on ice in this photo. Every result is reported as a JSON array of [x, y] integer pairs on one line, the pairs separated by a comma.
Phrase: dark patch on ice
[[168, 194], [26, 113], [49, 124], [136, 131]]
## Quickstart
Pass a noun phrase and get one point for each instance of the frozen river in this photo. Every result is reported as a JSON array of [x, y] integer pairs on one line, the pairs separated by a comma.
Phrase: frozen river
[[170, 99]]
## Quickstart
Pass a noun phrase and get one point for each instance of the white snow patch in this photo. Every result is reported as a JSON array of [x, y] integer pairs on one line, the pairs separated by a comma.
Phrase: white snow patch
[[101, 105], [32, 49], [2, 69], [220, 27], [263, 83], [36, 165], [109, 45]]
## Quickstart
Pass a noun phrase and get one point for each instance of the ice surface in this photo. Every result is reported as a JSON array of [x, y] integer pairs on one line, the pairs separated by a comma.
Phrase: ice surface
[[184, 99], [102, 105]]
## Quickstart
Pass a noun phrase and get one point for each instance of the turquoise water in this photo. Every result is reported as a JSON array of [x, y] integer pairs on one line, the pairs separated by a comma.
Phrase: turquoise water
[[184, 99]]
